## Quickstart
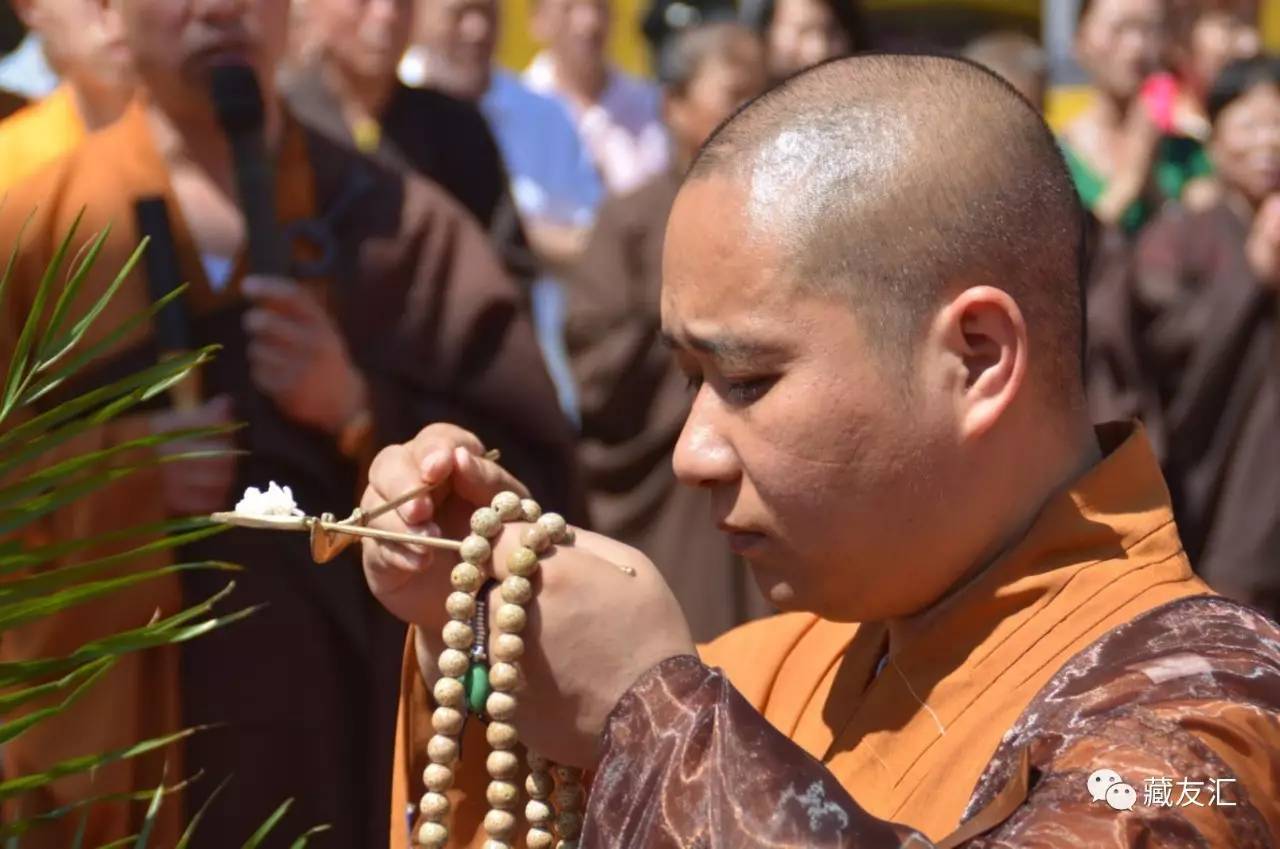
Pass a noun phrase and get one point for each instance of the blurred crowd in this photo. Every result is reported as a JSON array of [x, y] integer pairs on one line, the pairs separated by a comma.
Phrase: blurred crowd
[[566, 171]]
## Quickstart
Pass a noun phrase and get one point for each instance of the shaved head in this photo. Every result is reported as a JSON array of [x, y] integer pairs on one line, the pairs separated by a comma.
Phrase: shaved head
[[895, 181]]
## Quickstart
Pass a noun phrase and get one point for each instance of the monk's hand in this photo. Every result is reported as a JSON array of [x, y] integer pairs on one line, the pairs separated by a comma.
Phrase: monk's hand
[[601, 617], [413, 581], [1263, 245], [200, 485], [297, 355]]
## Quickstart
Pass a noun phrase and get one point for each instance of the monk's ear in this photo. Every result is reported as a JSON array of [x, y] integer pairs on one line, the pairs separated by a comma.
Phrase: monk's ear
[[984, 335]]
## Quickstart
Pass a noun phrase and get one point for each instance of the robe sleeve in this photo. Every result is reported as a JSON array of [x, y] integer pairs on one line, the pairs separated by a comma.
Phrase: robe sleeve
[[686, 761]]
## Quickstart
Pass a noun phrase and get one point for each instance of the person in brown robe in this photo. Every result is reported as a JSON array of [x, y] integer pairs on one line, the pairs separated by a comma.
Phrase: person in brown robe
[[633, 398], [1188, 341], [993, 636], [398, 313], [349, 91]]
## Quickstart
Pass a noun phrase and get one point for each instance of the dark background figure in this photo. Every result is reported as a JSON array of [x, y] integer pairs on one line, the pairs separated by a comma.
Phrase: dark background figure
[[633, 396], [1189, 342]]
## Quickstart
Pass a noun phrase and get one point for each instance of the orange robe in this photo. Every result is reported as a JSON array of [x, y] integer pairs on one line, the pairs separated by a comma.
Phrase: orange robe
[[37, 134], [910, 744], [437, 330]]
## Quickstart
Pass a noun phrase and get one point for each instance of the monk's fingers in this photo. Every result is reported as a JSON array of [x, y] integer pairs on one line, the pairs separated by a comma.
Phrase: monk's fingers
[[477, 479], [393, 473], [434, 445], [588, 552], [394, 562]]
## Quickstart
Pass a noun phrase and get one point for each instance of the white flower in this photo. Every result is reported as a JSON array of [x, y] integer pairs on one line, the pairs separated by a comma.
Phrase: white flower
[[276, 501]]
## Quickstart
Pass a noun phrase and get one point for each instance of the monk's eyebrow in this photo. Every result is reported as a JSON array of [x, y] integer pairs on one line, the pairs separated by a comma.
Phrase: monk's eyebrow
[[722, 347]]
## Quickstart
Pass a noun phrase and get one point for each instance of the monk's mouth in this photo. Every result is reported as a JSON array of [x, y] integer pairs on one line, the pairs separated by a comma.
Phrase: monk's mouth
[[743, 543]]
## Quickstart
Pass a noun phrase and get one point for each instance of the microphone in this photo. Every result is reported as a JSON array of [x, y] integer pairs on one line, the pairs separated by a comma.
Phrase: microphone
[[172, 329], [237, 100]]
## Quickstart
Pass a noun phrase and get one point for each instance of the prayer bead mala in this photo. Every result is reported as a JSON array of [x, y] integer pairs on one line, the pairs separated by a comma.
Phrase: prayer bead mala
[[555, 792]]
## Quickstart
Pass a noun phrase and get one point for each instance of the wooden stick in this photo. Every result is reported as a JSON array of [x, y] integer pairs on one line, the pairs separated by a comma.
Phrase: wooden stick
[[360, 517], [389, 536]]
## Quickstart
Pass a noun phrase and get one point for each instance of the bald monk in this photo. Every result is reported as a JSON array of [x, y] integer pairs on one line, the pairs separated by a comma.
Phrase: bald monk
[[410, 318], [632, 395], [987, 597], [85, 45]]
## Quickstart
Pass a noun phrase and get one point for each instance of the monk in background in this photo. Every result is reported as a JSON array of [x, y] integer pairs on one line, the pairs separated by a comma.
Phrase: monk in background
[[396, 312], [348, 89], [988, 601], [1187, 340], [633, 397], [84, 42]]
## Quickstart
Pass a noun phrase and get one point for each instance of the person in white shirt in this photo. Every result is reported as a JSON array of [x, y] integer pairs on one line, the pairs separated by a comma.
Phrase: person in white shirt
[[619, 117]]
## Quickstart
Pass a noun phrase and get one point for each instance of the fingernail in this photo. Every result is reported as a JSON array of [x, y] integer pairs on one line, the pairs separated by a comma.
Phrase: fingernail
[[432, 465]]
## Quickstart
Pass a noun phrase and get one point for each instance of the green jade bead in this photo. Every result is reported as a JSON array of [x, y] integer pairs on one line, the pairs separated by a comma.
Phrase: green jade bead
[[476, 683]]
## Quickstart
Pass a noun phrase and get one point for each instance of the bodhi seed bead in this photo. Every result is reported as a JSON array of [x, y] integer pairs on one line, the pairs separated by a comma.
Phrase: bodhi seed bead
[[461, 606], [448, 692], [555, 526], [442, 750], [453, 663], [502, 794], [500, 824], [507, 648], [507, 506], [433, 835], [501, 707], [458, 635], [538, 812], [567, 844], [531, 510], [501, 735], [566, 797], [447, 720], [465, 578], [536, 537], [504, 677], [497, 844], [476, 549], [437, 777], [511, 618], [486, 522], [537, 762], [434, 805], [517, 590], [502, 765], [539, 785], [539, 838], [523, 561]]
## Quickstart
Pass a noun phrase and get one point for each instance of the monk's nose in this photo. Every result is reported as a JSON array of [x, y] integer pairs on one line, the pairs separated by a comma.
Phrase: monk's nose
[[703, 457]]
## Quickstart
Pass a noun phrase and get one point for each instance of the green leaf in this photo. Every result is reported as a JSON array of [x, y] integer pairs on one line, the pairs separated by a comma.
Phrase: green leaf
[[53, 346], [153, 811], [129, 387], [195, 820], [20, 613], [81, 830], [16, 728], [169, 631], [157, 532], [87, 320], [52, 579], [272, 821], [51, 477], [11, 700], [18, 372], [37, 507], [25, 784], [51, 381], [302, 840], [22, 826], [13, 260]]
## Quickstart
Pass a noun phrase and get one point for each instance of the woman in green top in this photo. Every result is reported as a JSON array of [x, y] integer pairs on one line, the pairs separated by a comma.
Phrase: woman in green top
[[1124, 168]]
